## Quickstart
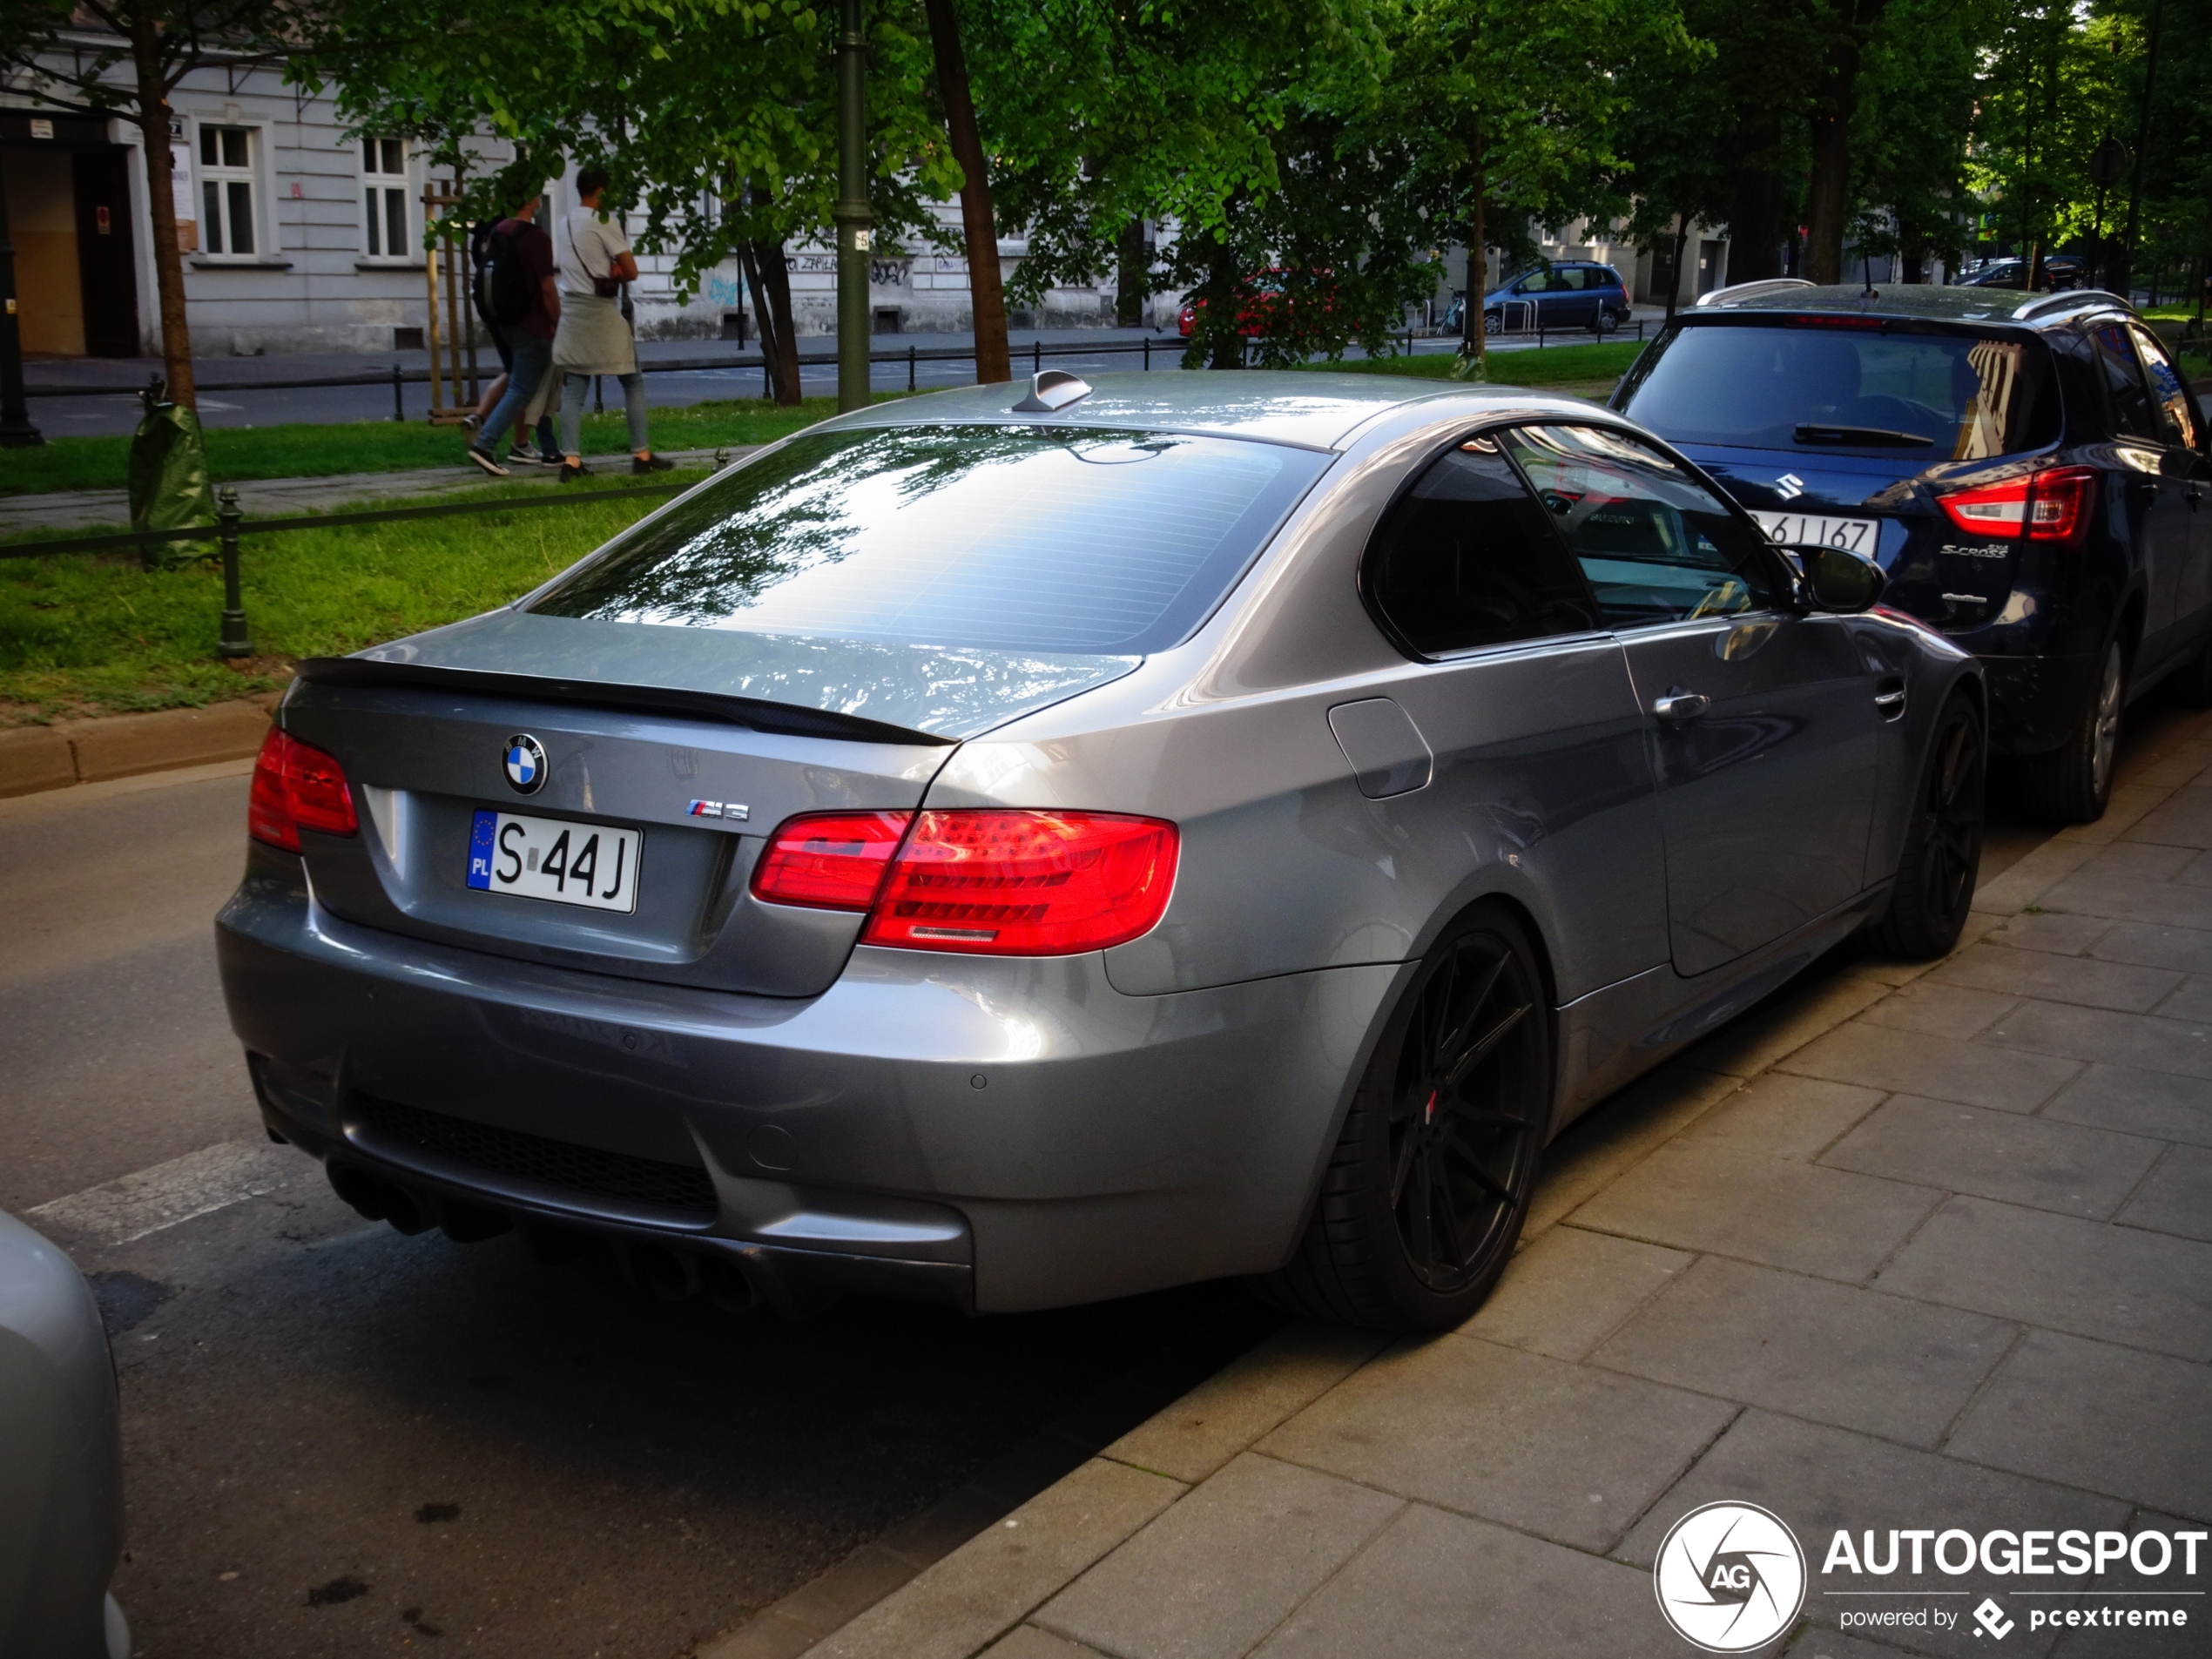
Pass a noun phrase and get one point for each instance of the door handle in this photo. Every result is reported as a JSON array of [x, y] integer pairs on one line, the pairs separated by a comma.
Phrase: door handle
[[1678, 706], [1890, 700]]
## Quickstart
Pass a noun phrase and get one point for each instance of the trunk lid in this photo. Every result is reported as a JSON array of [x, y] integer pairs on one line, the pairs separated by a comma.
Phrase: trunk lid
[[695, 744]]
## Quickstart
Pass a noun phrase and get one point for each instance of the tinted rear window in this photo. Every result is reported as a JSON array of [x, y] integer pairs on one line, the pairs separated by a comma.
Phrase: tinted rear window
[[1940, 396], [1007, 538]]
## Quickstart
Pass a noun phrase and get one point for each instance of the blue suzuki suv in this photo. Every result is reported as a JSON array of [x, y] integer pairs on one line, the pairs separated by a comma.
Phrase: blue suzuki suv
[[2029, 469]]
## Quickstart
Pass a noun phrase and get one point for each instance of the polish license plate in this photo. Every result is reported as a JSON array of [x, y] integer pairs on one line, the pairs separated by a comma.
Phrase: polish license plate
[[549, 858], [1859, 535]]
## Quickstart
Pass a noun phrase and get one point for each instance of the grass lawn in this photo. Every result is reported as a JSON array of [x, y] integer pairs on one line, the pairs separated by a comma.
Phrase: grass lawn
[[308, 451], [1576, 368], [100, 634]]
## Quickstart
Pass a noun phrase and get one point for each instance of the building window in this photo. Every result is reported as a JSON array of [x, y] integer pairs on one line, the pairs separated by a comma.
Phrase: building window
[[226, 217], [386, 211]]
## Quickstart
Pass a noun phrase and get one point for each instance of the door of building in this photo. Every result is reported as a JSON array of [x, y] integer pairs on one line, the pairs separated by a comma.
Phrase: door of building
[[107, 270]]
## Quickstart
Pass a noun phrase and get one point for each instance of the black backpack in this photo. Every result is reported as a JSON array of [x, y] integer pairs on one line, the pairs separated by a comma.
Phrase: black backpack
[[503, 286]]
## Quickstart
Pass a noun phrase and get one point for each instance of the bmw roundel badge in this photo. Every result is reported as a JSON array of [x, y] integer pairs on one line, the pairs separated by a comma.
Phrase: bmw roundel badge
[[525, 761]]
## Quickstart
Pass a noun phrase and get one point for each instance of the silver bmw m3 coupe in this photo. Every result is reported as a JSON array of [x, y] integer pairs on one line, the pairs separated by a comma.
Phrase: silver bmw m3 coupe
[[1021, 845]]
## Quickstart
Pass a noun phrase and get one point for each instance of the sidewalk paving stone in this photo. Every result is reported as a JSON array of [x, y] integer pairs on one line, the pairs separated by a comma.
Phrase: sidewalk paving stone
[[2153, 1104], [2169, 1643], [2020, 973], [1853, 1358], [2128, 898], [1232, 1408], [2107, 1419], [2032, 1161], [1214, 1574], [1562, 1451], [2048, 931], [1027, 1641], [1830, 1222], [2191, 1000], [1437, 1584], [2155, 945], [1940, 1010], [1913, 1062], [1565, 1293], [1782, 1117], [1598, 1146], [2072, 1033], [2178, 1196], [2141, 1289], [2184, 819]]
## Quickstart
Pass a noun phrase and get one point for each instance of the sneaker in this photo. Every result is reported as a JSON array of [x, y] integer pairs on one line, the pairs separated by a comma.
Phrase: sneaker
[[642, 464], [551, 458], [572, 469], [470, 421], [518, 456], [485, 459]]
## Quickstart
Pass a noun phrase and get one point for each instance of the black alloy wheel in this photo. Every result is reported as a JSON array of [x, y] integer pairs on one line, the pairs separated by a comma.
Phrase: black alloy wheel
[[1937, 866], [1426, 1193]]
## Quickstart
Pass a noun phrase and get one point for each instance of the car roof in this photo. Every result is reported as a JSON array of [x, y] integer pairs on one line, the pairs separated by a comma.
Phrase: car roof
[[1316, 410], [1917, 299]]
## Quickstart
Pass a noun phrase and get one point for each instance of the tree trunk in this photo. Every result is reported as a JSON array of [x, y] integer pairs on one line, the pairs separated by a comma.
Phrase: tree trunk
[[1475, 327], [1223, 315], [161, 206], [1831, 119], [1913, 273], [1754, 219], [986, 294], [768, 271], [1681, 241], [1133, 283]]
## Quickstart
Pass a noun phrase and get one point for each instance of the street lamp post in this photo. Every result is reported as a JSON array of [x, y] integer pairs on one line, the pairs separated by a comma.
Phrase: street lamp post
[[16, 430], [855, 225]]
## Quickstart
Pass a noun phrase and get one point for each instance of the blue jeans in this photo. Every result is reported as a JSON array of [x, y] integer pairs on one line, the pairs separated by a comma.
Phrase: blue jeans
[[633, 400], [533, 362]]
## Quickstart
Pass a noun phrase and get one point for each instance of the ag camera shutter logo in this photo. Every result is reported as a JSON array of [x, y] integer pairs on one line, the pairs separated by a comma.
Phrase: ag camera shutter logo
[[1730, 1578]]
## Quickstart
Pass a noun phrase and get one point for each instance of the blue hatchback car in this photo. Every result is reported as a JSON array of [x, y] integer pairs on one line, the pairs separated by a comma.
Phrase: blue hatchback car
[[1572, 293], [2031, 471]]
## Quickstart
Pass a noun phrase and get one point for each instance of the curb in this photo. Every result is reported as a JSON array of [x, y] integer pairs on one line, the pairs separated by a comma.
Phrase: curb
[[34, 759], [979, 1593]]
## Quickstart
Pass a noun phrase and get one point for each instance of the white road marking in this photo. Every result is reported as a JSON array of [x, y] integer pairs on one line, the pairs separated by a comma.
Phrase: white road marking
[[212, 1178]]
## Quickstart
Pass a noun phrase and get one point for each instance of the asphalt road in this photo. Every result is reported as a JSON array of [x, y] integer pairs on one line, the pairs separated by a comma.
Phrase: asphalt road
[[340, 1440], [109, 405]]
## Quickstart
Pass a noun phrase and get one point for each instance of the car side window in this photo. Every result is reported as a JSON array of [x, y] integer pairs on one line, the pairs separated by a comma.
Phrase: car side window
[[1464, 559], [1534, 282], [2175, 414], [1655, 545], [2133, 415]]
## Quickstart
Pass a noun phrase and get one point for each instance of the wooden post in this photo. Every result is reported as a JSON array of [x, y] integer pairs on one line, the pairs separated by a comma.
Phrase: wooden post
[[445, 341], [431, 316]]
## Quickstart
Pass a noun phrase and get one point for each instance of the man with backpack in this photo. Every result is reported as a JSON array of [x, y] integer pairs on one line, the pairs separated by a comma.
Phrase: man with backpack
[[522, 302]]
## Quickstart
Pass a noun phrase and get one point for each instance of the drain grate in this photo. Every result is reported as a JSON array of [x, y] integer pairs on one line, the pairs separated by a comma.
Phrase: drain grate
[[534, 1157]]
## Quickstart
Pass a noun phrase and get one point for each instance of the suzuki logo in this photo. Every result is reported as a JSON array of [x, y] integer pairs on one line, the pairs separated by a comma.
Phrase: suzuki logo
[[1789, 486]]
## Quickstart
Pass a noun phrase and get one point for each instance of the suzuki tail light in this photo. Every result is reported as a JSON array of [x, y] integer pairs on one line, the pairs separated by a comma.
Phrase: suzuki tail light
[[1025, 883], [829, 860], [297, 786], [2051, 506]]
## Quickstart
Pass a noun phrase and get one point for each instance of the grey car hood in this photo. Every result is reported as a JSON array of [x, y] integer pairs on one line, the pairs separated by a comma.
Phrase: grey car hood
[[950, 691]]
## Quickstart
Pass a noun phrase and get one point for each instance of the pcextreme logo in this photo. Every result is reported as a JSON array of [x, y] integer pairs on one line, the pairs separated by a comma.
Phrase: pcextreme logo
[[1729, 1577]]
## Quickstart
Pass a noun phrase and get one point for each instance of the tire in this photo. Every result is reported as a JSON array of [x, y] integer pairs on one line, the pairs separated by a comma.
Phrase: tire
[[2073, 783], [1607, 322], [1494, 322], [1424, 1194], [1935, 868]]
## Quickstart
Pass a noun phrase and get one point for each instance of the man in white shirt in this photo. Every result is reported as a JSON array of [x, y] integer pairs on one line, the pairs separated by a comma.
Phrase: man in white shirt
[[592, 252]]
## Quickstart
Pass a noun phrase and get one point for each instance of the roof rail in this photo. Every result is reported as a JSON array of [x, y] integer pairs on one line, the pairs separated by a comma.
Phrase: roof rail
[[1746, 290], [2066, 298]]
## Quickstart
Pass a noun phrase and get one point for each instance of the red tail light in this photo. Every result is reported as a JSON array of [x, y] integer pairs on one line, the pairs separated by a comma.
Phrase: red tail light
[[829, 860], [297, 786], [2051, 506], [1003, 883]]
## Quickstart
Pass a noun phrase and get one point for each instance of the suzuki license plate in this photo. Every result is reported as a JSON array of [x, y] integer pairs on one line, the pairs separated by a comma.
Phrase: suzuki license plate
[[549, 858], [1859, 535]]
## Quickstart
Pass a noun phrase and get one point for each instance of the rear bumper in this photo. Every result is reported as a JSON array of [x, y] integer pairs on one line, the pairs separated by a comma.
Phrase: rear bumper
[[2035, 701], [1000, 1134]]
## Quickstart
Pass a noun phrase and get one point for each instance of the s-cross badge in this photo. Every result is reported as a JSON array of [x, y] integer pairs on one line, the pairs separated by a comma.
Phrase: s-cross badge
[[1789, 486], [525, 762]]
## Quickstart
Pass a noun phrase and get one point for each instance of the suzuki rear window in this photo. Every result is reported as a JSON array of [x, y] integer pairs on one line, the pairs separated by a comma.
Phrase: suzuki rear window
[[1008, 538], [1838, 385]]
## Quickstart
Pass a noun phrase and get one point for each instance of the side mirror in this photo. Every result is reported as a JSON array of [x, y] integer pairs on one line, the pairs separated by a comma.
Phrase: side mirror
[[1831, 579]]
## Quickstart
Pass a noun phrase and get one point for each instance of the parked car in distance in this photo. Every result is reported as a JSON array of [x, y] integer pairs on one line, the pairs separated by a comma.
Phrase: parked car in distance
[[2061, 272], [1019, 850], [61, 1460], [1569, 293], [2030, 471], [1271, 305]]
